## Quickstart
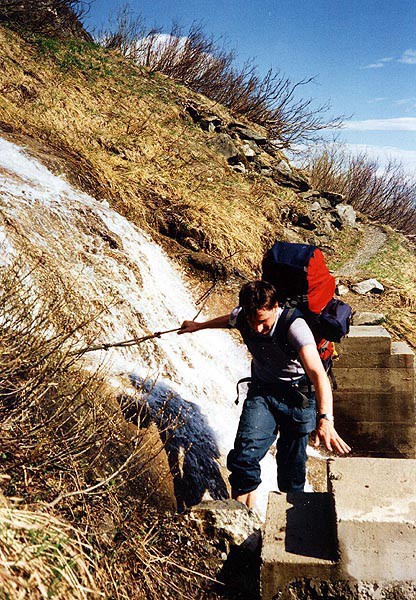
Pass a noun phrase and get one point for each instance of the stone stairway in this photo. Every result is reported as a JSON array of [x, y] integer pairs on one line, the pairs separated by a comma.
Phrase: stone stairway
[[357, 540], [374, 404]]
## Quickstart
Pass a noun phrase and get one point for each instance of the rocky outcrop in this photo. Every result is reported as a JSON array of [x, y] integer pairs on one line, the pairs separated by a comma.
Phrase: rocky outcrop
[[50, 17], [245, 149]]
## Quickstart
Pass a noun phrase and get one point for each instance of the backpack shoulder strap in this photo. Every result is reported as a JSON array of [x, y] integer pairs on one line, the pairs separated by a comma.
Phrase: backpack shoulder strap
[[288, 316]]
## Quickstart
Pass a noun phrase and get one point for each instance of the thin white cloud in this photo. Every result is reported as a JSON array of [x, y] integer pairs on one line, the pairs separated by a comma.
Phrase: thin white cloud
[[409, 104], [377, 65], [383, 154], [377, 100], [408, 57], [386, 153], [399, 124]]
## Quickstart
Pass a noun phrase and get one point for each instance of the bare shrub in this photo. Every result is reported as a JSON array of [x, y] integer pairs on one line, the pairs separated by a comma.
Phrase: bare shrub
[[203, 64], [65, 447], [386, 194]]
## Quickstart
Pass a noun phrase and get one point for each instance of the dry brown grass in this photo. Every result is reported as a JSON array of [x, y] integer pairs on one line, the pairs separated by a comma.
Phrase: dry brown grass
[[43, 557]]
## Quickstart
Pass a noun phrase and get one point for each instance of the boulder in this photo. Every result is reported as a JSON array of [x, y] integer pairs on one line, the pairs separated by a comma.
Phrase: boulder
[[347, 214], [368, 318], [207, 121], [239, 168], [227, 521], [315, 207], [303, 221], [245, 133], [293, 178], [341, 290], [310, 195], [369, 285], [223, 144], [210, 123], [203, 262], [248, 152], [333, 197]]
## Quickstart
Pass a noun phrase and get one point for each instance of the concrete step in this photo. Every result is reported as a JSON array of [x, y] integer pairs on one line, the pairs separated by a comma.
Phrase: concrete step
[[357, 542], [374, 338], [298, 540], [375, 380], [375, 508], [401, 356], [371, 437], [382, 407]]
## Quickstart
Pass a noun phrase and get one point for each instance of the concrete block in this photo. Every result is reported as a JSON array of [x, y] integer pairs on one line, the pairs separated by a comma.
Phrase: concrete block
[[376, 380], [375, 509], [353, 406], [400, 357], [369, 339], [369, 437], [298, 541]]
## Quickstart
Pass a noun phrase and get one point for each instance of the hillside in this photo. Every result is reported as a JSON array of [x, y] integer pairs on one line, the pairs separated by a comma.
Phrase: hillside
[[128, 136], [214, 193]]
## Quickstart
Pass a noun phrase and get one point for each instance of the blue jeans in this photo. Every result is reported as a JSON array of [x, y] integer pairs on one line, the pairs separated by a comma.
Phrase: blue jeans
[[267, 411]]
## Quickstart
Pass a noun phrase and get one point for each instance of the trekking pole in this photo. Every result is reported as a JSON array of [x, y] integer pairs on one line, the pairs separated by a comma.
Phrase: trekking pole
[[125, 343]]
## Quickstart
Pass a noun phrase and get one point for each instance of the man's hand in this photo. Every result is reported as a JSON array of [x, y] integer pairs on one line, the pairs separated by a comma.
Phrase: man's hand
[[189, 327], [216, 323], [325, 433]]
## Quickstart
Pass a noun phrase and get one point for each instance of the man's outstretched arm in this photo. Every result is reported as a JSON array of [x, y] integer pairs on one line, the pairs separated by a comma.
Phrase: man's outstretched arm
[[217, 323], [325, 430]]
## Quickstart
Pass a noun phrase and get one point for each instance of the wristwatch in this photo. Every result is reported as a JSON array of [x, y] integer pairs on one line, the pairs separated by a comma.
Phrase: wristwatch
[[325, 416]]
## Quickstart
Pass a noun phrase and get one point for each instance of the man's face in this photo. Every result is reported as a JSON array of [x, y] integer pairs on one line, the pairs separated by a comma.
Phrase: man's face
[[263, 321]]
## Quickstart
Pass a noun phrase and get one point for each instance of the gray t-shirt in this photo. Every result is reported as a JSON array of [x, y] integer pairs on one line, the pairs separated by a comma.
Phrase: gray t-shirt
[[270, 364]]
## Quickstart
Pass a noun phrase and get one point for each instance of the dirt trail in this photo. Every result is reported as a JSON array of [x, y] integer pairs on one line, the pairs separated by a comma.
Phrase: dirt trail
[[372, 240]]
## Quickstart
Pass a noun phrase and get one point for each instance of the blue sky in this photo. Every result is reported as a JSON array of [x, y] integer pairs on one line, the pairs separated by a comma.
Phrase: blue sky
[[363, 54]]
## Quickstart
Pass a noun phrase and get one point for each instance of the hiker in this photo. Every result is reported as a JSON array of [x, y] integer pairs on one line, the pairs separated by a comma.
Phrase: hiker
[[281, 396]]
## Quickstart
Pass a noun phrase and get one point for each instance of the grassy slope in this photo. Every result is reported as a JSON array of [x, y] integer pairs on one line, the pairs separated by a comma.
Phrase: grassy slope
[[126, 137]]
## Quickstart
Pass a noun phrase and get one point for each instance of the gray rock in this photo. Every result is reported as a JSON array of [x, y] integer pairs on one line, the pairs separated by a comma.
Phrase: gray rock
[[333, 197], [254, 146], [310, 195], [223, 144], [368, 318], [248, 152], [238, 168], [283, 167], [293, 178], [203, 262], [369, 285], [315, 206], [245, 133], [342, 290], [210, 123], [227, 521], [347, 214]]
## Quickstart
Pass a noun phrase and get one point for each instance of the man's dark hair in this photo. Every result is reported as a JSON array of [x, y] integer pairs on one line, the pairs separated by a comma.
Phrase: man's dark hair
[[257, 295]]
